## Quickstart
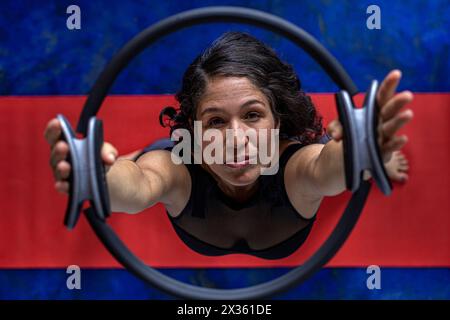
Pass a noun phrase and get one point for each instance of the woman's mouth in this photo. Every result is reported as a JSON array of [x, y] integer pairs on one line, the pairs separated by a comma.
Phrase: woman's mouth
[[239, 165]]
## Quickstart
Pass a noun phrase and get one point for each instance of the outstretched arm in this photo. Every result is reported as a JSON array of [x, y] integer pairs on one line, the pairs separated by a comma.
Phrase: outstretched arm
[[321, 167], [135, 186]]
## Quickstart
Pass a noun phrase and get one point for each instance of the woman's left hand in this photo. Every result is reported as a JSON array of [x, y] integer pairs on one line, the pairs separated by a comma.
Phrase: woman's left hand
[[391, 119]]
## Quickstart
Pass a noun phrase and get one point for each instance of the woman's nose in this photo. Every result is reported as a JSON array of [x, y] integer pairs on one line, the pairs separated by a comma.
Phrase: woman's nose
[[238, 132]]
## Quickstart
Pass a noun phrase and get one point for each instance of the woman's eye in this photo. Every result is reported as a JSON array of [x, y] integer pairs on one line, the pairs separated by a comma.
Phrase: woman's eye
[[214, 122], [252, 115]]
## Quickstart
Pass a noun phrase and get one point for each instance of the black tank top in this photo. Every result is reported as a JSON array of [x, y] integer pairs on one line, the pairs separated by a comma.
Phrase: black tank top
[[266, 226]]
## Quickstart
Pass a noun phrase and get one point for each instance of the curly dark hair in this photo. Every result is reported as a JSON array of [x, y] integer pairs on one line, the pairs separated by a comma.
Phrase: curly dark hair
[[239, 54]]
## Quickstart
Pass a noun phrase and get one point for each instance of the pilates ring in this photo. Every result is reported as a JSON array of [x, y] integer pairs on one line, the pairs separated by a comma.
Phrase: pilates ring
[[88, 183]]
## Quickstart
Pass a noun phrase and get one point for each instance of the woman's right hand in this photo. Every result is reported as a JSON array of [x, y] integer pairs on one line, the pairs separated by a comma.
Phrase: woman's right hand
[[59, 152]]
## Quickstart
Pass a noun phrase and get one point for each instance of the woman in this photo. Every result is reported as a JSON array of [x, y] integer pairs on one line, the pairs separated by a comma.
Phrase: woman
[[239, 83]]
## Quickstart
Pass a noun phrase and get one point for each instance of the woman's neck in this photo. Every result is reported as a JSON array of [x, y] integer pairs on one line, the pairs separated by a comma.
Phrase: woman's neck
[[239, 193]]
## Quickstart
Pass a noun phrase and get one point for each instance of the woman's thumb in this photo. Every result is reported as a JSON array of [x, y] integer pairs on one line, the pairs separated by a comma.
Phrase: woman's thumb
[[109, 154], [335, 130]]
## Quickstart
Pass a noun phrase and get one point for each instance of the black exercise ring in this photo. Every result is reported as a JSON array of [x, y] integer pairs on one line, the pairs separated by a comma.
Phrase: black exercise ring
[[138, 44]]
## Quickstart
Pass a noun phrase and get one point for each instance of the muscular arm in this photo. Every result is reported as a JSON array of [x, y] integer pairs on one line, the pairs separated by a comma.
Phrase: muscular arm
[[135, 186], [327, 170], [320, 168]]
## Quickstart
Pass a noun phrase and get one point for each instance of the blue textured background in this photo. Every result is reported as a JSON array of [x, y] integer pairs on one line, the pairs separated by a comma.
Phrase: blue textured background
[[329, 283], [40, 56]]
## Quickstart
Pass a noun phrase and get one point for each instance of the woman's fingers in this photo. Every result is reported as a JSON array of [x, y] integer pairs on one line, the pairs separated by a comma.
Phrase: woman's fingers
[[59, 152], [401, 161], [391, 126], [62, 170], [335, 130], [393, 106], [388, 87], [391, 118], [395, 169], [61, 149], [396, 143], [62, 186], [109, 153], [399, 176], [53, 131]]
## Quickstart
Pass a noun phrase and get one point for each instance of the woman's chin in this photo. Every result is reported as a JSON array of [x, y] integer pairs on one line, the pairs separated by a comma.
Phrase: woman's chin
[[240, 175]]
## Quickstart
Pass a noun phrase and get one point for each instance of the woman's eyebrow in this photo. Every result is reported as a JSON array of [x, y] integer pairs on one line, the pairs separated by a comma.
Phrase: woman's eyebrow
[[215, 109], [250, 102], [211, 110]]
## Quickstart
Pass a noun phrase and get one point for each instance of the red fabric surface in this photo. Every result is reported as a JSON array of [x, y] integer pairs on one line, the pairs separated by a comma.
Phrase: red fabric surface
[[410, 228]]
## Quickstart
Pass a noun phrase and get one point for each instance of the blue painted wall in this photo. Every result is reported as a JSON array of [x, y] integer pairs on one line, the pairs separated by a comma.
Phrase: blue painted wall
[[39, 55], [329, 283]]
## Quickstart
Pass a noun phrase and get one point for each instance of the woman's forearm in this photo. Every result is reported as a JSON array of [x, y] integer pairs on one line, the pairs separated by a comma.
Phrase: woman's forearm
[[329, 171], [127, 186]]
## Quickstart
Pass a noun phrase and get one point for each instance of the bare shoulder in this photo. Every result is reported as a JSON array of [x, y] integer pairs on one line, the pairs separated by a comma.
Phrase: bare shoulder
[[304, 156], [170, 179], [298, 179]]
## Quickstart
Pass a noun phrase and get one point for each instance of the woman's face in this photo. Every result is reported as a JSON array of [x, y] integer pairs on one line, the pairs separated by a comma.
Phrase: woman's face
[[235, 103]]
